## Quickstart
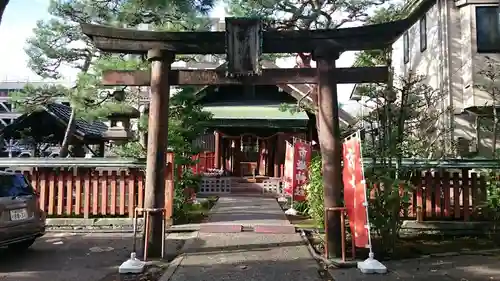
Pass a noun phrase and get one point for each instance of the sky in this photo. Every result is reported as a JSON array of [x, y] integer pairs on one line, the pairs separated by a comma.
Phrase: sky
[[20, 18]]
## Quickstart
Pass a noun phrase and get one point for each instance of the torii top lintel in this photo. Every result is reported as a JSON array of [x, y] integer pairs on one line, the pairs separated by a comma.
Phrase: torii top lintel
[[131, 41], [376, 36]]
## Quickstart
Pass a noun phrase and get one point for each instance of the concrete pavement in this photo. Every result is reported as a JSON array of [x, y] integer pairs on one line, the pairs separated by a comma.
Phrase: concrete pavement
[[450, 268], [71, 257], [477, 267]]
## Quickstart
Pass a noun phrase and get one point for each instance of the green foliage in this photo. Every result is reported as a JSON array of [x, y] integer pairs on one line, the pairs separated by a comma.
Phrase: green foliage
[[402, 123], [188, 180], [133, 149], [380, 15], [308, 14], [391, 196], [315, 196], [488, 82], [160, 12], [404, 120], [193, 213], [491, 206], [186, 123], [301, 207]]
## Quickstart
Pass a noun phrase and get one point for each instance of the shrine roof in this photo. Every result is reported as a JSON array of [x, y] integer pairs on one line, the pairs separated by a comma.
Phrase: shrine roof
[[297, 91], [271, 111], [86, 130]]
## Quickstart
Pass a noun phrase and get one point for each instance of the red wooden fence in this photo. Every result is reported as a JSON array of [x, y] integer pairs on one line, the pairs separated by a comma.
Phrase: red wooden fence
[[82, 193], [92, 194], [446, 196], [205, 160]]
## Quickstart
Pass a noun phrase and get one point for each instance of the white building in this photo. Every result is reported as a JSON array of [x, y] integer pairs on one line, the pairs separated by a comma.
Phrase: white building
[[448, 45]]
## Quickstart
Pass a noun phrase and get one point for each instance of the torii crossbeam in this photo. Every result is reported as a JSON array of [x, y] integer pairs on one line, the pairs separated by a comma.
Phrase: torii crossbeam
[[352, 75], [243, 42]]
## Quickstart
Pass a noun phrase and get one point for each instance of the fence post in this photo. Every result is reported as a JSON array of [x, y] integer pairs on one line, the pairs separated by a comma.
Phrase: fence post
[[68, 179], [456, 195], [169, 189], [466, 193], [438, 176], [420, 202], [446, 192], [86, 193], [131, 182], [474, 192], [123, 193]]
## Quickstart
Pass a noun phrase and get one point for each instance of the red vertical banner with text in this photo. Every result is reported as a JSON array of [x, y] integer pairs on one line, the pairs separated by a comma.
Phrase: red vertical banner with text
[[355, 191], [302, 162], [289, 173]]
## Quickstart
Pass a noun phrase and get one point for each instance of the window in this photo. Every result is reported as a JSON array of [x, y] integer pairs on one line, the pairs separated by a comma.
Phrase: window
[[406, 47], [14, 185], [488, 29], [423, 34]]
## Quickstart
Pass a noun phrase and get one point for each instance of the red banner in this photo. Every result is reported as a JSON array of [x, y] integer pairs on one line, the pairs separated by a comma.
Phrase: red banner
[[289, 172], [302, 162], [355, 191]]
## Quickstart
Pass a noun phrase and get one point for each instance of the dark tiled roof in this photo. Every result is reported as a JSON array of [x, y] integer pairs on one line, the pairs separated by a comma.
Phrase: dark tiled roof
[[94, 129]]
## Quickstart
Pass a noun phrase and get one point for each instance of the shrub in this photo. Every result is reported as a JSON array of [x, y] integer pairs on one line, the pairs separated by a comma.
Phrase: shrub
[[385, 208], [315, 196], [492, 203]]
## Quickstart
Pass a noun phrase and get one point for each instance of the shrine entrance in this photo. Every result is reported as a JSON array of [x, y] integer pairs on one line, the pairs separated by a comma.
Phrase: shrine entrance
[[243, 43]]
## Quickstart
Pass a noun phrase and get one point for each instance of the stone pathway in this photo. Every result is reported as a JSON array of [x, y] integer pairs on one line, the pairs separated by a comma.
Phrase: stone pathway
[[247, 255], [247, 211]]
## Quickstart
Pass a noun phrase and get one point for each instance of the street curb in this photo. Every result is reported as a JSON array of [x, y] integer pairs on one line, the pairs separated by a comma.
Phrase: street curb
[[175, 263]]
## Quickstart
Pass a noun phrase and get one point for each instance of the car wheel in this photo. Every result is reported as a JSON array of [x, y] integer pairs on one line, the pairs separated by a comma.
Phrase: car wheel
[[23, 245]]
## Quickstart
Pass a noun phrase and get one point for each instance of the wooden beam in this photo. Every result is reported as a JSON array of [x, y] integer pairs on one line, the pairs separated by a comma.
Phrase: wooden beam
[[131, 41], [277, 76]]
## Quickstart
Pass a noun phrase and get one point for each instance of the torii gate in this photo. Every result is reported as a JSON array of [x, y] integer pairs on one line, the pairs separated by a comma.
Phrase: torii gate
[[243, 42]]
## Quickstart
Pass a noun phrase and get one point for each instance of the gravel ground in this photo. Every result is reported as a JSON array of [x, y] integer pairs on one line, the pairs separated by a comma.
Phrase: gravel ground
[[248, 256]]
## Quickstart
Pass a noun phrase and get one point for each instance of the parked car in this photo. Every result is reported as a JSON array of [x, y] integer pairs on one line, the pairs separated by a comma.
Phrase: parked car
[[21, 220]]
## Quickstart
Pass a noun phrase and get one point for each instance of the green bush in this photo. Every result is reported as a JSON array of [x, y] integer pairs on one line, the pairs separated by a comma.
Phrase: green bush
[[492, 203], [386, 207], [301, 207], [315, 196]]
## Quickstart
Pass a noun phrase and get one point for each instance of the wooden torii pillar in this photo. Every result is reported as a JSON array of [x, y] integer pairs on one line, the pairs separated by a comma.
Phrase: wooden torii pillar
[[243, 69]]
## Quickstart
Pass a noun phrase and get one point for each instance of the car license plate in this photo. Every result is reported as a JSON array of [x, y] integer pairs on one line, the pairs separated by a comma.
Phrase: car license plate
[[19, 214]]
